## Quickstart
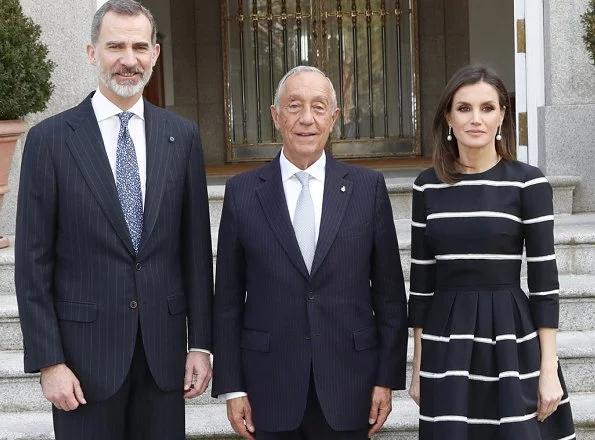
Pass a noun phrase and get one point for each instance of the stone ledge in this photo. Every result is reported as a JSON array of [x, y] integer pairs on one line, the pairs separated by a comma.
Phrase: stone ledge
[[399, 190], [210, 421], [20, 391]]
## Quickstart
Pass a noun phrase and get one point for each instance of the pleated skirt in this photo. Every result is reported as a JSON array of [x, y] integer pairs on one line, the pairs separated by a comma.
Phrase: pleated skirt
[[480, 370]]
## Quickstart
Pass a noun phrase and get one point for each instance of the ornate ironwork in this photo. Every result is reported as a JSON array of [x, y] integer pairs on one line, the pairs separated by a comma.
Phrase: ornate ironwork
[[367, 48]]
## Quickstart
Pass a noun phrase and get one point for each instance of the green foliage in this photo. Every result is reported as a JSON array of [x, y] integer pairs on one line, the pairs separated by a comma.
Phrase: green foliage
[[588, 20], [25, 70]]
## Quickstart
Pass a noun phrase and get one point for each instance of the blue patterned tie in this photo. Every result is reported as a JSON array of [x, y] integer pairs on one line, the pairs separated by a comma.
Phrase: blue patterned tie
[[303, 220], [128, 181]]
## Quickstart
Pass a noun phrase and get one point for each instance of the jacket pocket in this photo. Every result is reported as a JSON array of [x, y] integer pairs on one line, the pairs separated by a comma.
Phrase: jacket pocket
[[75, 311], [365, 338], [176, 303], [255, 340]]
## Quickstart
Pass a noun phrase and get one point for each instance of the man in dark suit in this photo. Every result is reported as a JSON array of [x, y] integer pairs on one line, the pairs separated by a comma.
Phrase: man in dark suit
[[113, 251], [310, 329]]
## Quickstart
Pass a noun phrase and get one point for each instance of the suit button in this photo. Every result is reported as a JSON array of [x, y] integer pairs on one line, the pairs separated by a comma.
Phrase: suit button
[[311, 296], [133, 304], [138, 266]]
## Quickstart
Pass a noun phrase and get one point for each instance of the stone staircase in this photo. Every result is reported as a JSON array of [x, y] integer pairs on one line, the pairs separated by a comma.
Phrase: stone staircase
[[26, 415]]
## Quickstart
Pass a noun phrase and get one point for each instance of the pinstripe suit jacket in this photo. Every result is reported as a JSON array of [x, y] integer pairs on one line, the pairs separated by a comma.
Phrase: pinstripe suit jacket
[[273, 322], [76, 271]]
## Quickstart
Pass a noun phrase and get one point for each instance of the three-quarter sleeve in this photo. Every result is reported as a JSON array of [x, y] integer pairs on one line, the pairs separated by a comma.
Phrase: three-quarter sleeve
[[542, 272], [423, 262]]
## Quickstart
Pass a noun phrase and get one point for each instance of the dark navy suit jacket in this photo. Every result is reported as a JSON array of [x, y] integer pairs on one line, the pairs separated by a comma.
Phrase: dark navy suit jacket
[[274, 323], [76, 271]]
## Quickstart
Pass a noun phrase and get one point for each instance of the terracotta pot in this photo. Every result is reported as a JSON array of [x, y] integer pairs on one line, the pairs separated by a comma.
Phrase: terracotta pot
[[10, 132]]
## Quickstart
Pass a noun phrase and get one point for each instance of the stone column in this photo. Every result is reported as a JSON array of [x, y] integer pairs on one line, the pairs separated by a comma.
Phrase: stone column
[[567, 121]]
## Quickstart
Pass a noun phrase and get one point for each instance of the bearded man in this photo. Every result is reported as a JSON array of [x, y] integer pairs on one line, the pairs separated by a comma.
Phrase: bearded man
[[113, 249]]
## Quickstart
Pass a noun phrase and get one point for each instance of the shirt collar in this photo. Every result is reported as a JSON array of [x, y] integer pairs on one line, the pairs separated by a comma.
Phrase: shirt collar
[[316, 170], [105, 109]]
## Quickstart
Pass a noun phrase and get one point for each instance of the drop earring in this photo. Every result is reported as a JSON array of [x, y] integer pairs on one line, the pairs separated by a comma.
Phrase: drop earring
[[499, 135], [449, 135]]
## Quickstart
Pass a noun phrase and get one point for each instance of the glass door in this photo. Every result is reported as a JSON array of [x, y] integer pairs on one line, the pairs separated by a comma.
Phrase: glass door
[[368, 48]]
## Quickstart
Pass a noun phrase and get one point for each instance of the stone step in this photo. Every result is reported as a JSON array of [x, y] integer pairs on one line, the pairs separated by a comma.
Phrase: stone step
[[574, 237], [399, 184], [21, 392], [209, 422], [577, 309]]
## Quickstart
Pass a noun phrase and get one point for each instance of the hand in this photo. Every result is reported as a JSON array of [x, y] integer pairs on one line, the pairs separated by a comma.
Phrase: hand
[[239, 414], [414, 390], [549, 392], [198, 373], [382, 405], [61, 387]]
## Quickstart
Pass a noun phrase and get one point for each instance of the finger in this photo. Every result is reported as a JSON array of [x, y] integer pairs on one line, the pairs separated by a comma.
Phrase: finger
[[544, 411], [191, 393], [188, 377], [239, 427], [78, 393], [552, 406], [202, 383], [539, 408], [373, 416], [383, 412], [248, 418], [71, 403]]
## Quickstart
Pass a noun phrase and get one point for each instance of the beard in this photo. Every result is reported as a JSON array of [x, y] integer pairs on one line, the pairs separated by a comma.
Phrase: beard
[[126, 88]]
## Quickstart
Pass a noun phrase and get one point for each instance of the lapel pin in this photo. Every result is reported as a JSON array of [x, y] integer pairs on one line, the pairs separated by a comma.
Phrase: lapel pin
[[343, 189], [171, 139]]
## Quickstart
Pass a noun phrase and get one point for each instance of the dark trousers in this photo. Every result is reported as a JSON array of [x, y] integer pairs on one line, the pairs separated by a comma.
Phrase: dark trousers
[[138, 411], [314, 425]]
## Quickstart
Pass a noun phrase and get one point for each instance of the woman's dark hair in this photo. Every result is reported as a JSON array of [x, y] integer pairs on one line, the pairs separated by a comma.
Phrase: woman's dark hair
[[446, 153]]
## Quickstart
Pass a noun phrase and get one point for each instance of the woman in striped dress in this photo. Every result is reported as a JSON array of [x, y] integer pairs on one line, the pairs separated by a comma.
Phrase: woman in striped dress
[[485, 364]]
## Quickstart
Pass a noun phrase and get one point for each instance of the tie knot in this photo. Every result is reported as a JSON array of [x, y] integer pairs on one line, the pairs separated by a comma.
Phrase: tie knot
[[303, 177], [125, 117]]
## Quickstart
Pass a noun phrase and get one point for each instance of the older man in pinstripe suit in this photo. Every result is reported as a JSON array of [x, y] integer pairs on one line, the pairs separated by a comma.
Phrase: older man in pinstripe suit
[[310, 323], [113, 249]]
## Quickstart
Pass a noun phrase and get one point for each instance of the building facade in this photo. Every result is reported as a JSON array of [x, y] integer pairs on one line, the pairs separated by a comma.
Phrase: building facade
[[389, 61]]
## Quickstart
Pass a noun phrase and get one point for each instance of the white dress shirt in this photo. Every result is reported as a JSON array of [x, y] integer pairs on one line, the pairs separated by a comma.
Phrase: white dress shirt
[[106, 113], [292, 188]]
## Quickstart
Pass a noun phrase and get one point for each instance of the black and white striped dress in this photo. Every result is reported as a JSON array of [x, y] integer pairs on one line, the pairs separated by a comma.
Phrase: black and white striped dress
[[480, 348]]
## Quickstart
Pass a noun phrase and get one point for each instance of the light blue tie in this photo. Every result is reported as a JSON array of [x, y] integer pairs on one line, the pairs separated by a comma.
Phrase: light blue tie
[[303, 220], [128, 181]]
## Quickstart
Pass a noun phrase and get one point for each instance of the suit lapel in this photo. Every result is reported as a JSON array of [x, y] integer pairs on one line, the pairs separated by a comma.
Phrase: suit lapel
[[274, 206], [157, 160], [87, 148], [337, 191]]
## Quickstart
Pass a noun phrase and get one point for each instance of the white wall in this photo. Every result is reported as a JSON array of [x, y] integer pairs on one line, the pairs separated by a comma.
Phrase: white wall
[[491, 36]]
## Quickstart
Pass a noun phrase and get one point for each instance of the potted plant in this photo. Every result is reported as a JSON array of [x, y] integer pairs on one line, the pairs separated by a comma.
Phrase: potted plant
[[25, 85], [588, 20]]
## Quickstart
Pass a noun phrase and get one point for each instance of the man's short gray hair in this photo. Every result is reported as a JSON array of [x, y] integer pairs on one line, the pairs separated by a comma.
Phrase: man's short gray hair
[[300, 69], [121, 7]]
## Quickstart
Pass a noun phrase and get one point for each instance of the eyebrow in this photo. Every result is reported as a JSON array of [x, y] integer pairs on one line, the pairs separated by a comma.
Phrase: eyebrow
[[319, 98], [483, 103], [140, 44]]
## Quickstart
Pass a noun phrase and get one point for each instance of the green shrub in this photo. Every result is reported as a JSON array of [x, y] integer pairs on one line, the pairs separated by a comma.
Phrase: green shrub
[[25, 70], [588, 20]]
